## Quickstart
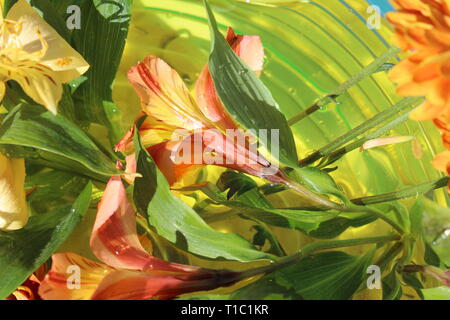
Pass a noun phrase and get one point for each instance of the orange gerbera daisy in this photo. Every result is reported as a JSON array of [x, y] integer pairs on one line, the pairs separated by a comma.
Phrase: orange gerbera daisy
[[423, 27]]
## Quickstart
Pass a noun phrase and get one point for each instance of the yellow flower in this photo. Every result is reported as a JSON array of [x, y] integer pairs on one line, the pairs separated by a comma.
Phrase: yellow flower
[[35, 56], [13, 206]]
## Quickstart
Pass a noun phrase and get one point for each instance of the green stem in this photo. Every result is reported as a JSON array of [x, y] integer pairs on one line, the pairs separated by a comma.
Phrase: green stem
[[315, 198], [386, 115], [391, 196], [379, 215], [404, 193], [342, 88], [389, 255], [313, 247]]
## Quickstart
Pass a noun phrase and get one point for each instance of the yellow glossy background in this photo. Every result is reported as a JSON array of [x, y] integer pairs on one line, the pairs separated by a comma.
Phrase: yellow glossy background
[[311, 47]]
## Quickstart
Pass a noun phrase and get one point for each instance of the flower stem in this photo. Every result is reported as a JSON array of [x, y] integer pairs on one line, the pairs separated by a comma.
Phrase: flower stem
[[313, 247], [404, 193], [342, 88]]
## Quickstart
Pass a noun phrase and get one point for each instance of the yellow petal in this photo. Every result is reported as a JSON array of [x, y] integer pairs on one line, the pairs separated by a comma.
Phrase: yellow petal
[[44, 88], [60, 56], [2, 88], [13, 207], [164, 95], [72, 277]]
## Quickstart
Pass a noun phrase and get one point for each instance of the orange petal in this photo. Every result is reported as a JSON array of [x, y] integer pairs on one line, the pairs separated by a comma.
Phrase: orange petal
[[426, 111], [251, 51], [402, 72], [152, 131], [27, 291], [72, 277], [412, 89], [211, 147], [440, 92], [172, 170], [441, 161], [114, 238], [427, 71], [164, 95]]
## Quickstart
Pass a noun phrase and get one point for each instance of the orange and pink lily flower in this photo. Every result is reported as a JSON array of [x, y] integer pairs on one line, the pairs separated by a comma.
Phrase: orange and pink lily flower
[[128, 271], [171, 109]]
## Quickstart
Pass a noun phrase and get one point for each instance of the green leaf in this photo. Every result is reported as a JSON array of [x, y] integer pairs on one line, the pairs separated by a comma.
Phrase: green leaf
[[332, 228], [318, 181], [177, 222], [431, 257], [7, 5], [254, 205], [439, 293], [266, 288], [100, 41], [392, 289], [245, 97], [330, 275], [23, 251], [237, 182], [51, 188], [55, 138], [412, 280]]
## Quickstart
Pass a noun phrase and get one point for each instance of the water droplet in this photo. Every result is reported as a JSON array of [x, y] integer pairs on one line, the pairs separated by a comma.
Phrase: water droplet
[[187, 79]]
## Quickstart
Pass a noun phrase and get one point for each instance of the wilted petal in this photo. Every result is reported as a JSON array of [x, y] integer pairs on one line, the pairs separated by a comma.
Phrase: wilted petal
[[13, 206], [442, 276], [61, 282], [114, 238], [385, 141], [164, 96]]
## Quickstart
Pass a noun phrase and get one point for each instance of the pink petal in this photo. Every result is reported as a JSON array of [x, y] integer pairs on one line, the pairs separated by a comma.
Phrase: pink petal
[[114, 239], [251, 51], [132, 285]]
